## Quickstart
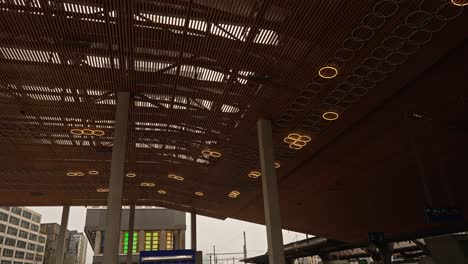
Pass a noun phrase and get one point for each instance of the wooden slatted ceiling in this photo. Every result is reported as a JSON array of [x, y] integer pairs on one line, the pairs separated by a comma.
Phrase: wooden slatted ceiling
[[201, 73]]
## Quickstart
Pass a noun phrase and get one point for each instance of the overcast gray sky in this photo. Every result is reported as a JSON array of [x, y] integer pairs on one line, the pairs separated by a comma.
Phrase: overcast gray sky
[[226, 235]]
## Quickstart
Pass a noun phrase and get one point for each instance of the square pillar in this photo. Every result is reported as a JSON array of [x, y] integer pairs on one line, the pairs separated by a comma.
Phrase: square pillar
[[141, 240], [182, 239], [270, 193], [162, 240], [114, 197], [60, 253], [97, 243]]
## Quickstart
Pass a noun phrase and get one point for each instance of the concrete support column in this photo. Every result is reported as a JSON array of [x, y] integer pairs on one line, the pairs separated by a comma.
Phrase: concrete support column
[[386, 251], [182, 239], [193, 230], [270, 193], [60, 253], [120, 242], [131, 223], [141, 240], [446, 249], [176, 238], [162, 240], [114, 197], [97, 243]]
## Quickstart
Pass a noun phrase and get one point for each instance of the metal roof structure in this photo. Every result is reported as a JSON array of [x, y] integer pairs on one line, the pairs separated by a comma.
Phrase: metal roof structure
[[366, 98]]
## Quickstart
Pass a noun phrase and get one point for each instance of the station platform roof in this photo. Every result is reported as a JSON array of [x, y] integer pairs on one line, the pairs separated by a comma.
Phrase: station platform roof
[[368, 100]]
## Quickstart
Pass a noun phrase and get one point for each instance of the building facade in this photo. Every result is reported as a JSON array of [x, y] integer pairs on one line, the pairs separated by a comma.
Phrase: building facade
[[154, 229], [20, 239], [75, 245]]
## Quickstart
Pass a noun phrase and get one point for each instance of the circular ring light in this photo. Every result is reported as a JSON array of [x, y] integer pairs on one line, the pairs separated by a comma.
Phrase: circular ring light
[[277, 165], [102, 190], [255, 174], [147, 184], [162, 192], [175, 177], [87, 132], [199, 193], [211, 153], [76, 131], [328, 72], [460, 2], [71, 174], [79, 174], [93, 172], [131, 174], [297, 141], [330, 116]]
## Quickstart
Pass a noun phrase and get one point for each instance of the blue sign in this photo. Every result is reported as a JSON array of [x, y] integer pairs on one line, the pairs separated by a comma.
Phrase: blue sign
[[444, 214], [185, 256]]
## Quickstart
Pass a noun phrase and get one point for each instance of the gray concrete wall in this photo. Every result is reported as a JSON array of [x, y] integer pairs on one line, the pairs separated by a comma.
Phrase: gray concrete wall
[[145, 219]]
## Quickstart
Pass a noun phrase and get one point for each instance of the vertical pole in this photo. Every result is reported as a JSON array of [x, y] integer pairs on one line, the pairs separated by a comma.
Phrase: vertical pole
[[97, 243], [60, 253], [131, 223], [270, 193], [162, 240], [193, 229], [182, 239], [214, 254], [114, 197], [245, 247]]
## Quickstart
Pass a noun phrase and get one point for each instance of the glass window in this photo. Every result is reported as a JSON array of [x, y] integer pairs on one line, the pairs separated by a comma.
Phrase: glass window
[[1, 239], [17, 262], [32, 237], [36, 218], [16, 210], [2, 228], [19, 254], [169, 240], [10, 241], [29, 256], [39, 257], [3, 216], [23, 234], [39, 248], [27, 214], [5, 262], [14, 220], [151, 240], [21, 244], [7, 252], [6, 208], [134, 244], [12, 231], [25, 224], [32, 246], [42, 239], [34, 227]]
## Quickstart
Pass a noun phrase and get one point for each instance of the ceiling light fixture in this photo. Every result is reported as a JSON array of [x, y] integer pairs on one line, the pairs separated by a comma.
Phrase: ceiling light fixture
[[75, 174], [162, 192], [296, 141], [93, 172], [460, 2], [330, 116], [277, 165], [234, 194], [87, 132], [211, 153], [147, 184], [175, 177], [328, 72], [199, 193], [254, 174], [102, 190], [131, 174]]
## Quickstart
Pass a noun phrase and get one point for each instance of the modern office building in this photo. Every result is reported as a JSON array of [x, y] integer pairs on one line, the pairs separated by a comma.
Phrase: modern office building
[[154, 229], [75, 245], [20, 239]]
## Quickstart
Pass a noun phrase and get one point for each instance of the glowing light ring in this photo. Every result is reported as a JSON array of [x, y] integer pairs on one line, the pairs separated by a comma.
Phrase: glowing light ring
[[162, 192], [102, 190], [211, 153], [296, 141], [147, 184], [131, 174], [175, 177], [75, 174], [234, 194], [326, 76], [277, 165], [460, 2], [93, 172], [330, 116], [87, 132], [199, 194], [255, 174]]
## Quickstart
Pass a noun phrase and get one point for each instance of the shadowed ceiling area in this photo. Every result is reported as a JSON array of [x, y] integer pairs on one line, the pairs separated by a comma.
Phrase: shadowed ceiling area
[[368, 100]]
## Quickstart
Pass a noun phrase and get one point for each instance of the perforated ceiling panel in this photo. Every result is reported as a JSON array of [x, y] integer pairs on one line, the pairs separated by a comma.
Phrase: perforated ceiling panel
[[200, 74]]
